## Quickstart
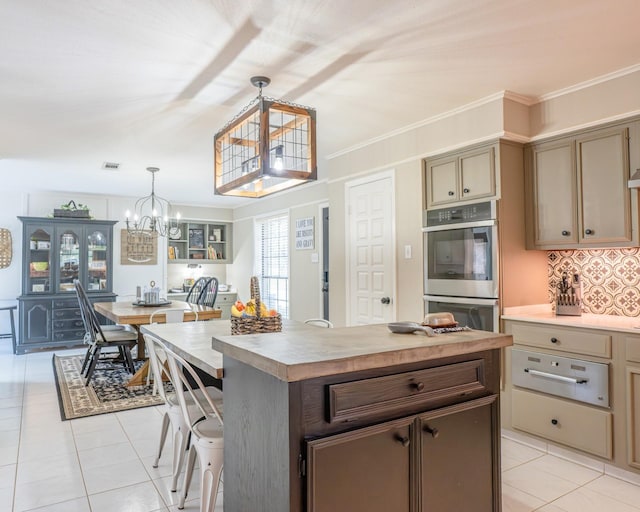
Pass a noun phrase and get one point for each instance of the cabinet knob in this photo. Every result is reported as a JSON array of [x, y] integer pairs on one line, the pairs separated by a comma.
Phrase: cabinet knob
[[554, 340], [554, 421], [466, 190], [432, 430], [588, 231], [451, 192], [418, 386], [385, 300], [565, 233], [403, 440]]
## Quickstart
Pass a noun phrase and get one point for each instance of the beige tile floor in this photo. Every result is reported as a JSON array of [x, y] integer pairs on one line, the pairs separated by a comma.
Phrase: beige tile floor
[[104, 463]]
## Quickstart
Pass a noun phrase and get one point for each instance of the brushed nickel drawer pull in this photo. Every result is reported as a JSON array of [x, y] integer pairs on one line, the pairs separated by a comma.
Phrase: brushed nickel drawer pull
[[553, 376]]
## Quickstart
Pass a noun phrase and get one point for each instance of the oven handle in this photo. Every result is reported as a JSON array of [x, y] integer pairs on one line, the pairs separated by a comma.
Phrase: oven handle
[[462, 225], [472, 301], [553, 376]]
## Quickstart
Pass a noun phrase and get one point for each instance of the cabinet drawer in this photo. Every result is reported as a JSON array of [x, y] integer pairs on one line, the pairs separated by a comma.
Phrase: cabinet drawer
[[559, 338], [65, 303], [565, 422], [226, 299], [65, 325], [371, 397], [633, 348], [75, 335], [67, 314]]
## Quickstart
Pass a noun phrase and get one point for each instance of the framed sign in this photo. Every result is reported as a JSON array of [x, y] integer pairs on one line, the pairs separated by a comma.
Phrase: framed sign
[[196, 238], [305, 233], [140, 249]]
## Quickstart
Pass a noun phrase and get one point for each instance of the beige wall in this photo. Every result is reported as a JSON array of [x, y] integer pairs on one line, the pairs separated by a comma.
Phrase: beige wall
[[609, 100]]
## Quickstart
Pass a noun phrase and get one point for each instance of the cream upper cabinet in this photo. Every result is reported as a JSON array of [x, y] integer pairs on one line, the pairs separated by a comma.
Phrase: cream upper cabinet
[[578, 194], [464, 176]]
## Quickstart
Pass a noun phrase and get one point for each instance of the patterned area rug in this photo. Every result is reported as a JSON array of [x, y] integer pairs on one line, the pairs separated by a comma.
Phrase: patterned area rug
[[107, 391]]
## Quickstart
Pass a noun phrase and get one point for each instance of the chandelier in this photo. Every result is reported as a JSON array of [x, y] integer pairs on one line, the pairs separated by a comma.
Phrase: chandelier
[[268, 147], [152, 214]]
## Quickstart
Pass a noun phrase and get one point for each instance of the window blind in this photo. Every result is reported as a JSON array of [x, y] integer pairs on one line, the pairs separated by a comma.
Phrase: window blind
[[272, 261]]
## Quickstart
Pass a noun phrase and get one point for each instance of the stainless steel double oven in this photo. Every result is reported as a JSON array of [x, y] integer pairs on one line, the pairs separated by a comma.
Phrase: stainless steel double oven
[[461, 263]]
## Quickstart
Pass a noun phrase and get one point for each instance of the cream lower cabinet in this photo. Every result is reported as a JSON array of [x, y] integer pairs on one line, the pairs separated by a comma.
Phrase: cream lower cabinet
[[633, 400], [633, 416], [586, 428], [577, 191], [572, 423]]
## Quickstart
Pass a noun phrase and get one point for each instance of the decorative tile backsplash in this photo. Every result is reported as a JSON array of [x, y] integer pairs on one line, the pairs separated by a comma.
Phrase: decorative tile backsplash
[[610, 278]]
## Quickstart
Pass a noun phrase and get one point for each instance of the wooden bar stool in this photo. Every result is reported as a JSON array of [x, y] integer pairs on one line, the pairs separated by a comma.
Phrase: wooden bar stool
[[9, 306]]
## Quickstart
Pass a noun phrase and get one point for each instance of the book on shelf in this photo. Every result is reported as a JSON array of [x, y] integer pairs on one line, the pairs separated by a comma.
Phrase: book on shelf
[[174, 252], [211, 253]]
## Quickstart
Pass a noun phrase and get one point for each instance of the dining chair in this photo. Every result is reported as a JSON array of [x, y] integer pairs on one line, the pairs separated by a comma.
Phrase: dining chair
[[209, 293], [173, 415], [319, 322], [171, 316], [206, 427], [100, 337], [196, 290]]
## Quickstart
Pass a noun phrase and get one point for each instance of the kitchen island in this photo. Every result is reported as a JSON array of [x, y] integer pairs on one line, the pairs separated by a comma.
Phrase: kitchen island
[[360, 419]]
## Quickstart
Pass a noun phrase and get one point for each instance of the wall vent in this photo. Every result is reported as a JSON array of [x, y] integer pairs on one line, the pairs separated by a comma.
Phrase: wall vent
[[111, 166]]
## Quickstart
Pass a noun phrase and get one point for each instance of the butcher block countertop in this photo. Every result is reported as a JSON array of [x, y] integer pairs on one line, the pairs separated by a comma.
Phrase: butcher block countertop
[[303, 352]]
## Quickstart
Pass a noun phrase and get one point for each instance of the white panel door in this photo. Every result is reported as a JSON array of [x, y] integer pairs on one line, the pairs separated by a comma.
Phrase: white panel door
[[371, 250]]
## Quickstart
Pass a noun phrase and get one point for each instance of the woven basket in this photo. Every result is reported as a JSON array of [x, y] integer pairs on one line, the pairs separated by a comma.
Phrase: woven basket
[[256, 324]]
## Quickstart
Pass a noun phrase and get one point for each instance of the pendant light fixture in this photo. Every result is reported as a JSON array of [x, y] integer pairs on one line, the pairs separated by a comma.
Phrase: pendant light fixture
[[152, 214], [268, 147]]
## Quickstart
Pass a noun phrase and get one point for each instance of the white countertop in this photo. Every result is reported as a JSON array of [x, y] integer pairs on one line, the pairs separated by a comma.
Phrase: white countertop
[[544, 314], [220, 292]]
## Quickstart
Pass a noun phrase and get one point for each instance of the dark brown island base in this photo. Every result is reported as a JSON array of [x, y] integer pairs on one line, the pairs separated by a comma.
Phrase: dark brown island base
[[359, 419]]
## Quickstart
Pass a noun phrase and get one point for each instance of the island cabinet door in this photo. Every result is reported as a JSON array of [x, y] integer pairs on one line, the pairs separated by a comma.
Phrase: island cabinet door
[[365, 470], [459, 458]]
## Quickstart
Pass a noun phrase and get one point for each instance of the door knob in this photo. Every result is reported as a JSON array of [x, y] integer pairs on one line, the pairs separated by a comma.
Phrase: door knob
[[385, 300]]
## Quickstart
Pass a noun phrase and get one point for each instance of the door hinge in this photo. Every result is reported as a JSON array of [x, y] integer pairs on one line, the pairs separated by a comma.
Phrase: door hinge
[[302, 466]]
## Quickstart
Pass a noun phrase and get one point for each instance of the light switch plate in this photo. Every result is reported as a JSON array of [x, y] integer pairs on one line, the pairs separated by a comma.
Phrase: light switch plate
[[407, 252], [314, 257]]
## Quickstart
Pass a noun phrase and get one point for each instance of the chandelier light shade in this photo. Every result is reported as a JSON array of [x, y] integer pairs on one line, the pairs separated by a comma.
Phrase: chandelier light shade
[[268, 147], [152, 214]]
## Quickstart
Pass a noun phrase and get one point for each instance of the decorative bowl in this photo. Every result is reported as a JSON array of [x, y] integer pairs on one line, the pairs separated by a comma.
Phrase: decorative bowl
[[40, 266]]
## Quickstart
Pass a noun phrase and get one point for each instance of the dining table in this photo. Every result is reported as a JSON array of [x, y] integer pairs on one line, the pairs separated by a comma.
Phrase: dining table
[[127, 313]]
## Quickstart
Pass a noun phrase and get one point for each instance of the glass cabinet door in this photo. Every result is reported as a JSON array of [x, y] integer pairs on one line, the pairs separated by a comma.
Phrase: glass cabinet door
[[69, 260], [97, 250], [39, 261]]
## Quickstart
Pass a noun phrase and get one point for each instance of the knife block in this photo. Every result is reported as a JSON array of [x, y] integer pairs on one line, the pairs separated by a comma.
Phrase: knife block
[[572, 310]]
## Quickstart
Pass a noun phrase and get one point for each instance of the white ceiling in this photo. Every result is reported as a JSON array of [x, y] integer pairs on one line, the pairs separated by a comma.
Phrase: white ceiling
[[149, 82]]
